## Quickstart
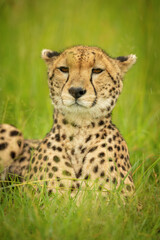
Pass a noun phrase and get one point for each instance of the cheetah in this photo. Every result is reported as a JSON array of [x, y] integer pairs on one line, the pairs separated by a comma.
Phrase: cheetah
[[83, 146]]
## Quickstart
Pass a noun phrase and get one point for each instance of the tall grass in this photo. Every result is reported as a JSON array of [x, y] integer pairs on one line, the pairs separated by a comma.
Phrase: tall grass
[[120, 27]]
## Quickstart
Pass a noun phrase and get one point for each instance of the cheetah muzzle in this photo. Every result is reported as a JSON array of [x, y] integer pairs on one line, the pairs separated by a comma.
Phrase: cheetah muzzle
[[83, 145]]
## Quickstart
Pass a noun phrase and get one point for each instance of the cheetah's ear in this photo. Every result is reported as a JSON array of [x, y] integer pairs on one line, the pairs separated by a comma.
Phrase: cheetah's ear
[[125, 63], [49, 55]]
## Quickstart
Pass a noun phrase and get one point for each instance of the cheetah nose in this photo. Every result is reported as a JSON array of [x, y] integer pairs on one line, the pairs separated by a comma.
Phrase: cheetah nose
[[77, 92]]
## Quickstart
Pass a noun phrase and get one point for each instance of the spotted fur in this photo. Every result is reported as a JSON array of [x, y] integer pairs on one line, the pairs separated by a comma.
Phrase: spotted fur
[[83, 145]]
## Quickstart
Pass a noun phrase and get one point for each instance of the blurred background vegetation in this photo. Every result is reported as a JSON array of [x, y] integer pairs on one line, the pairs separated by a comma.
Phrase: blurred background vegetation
[[120, 27]]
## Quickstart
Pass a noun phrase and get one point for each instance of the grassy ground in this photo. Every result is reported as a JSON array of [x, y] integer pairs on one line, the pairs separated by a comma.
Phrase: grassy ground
[[120, 27]]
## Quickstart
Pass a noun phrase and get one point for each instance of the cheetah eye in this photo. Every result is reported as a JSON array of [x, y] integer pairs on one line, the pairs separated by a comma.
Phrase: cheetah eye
[[64, 69], [97, 70]]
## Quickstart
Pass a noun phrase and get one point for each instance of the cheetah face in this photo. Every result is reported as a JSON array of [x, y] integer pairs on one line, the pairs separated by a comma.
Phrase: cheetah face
[[85, 80]]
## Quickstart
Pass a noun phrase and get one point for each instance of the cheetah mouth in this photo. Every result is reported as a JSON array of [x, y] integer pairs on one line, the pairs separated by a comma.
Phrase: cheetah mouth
[[78, 103]]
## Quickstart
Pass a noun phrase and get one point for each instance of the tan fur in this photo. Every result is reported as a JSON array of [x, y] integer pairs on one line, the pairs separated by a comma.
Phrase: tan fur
[[83, 144]]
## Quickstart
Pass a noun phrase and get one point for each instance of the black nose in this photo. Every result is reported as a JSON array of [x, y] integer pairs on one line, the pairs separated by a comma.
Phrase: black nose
[[77, 92]]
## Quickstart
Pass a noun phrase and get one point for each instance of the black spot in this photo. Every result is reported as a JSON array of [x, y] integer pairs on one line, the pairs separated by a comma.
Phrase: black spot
[[111, 168], [79, 173], [3, 145], [64, 121], [56, 159], [114, 180], [92, 159], [12, 154], [71, 138], [128, 187], [66, 173], [93, 149], [14, 133], [3, 130], [118, 148], [95, 169], [110, 140], [45, 141], [57, 137], [33, 159], [45, 158], [41, 177], [63, 136], [49, 164], [55, 169], [35, 169], [83, 150], [121, 174], [50, 175], [122, 156], [86, 177], [101, 154], [61, 185], [59, 149], [54, 148], [103, 145], [104, 136], [58, 126], [49, 144], [102, 174], [72, 151], [93, 124], [19, 143], [72, 188], [107, 179], [68, 164], [40, 156], [22, 159], [101, 123], [110, 159], [102, 161], [88, 138], [50, 192], [97, 135], [110, 149], [130, 178], [58, 179]]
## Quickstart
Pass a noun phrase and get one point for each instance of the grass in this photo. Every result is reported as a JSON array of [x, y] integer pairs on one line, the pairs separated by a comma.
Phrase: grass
[[120, 28]]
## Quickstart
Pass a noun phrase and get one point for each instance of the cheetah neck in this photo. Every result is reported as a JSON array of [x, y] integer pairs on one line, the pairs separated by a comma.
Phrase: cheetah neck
[[66, 121]]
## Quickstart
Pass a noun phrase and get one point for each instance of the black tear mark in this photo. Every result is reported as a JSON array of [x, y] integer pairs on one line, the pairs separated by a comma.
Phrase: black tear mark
[[65, 83], [3, 145], [114, 81], [95, 100]]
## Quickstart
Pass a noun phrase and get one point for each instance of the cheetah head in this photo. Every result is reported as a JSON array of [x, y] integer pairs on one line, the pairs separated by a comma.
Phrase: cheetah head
[[85, 81]]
